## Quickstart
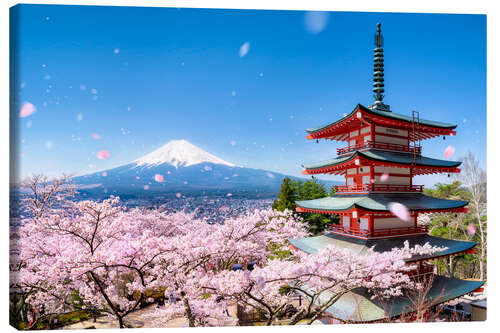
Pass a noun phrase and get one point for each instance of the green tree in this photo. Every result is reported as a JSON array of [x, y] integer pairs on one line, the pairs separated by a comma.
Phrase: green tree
[[286, 197], [297, 190]]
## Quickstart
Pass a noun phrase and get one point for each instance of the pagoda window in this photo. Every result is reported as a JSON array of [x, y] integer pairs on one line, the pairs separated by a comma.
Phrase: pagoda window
[[351, 171], [354, 134], [365, 130], [366, 179], [391, 139], [346, 221], [364, 169], [350, 181], [352, 143], [392, 171], [363, 223], [391, 131], [391, 222], [367, 139]]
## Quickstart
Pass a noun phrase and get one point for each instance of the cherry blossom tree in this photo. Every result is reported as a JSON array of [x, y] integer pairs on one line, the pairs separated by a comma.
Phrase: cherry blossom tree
[[323, 278]]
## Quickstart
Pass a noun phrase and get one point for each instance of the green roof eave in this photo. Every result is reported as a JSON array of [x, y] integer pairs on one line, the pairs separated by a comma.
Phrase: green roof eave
[[386, 114], [358, 246], [385, 156], [380, 202], [358, 305]]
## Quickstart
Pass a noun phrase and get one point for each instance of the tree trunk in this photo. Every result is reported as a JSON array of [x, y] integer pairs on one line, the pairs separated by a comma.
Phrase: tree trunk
[[481, 262], [120, 321], [189, 313], [297, 317]]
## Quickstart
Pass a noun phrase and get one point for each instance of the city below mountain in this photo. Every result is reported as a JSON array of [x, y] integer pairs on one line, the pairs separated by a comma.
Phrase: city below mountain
[[181, 169]]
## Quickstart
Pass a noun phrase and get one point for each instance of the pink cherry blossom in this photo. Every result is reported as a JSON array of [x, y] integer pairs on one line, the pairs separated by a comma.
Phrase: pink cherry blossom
[[229, 195], [95, 136], [137, 177], [399, 210], [104, 174], [27, 110], [178, 195], [449, 151], [146, 187], [384, 177], [102, 154], [158, 178], [471, 229]]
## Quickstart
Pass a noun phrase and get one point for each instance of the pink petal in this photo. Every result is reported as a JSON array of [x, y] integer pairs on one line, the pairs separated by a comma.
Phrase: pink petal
[[449, 151], [137, 177], [103, 154], [384, 177], [471, 229], [146, 187], [229, 194], [27, 110], [95, 136], [159, 178], [399, 210], [178, 195], [168, 172], [104, 174]]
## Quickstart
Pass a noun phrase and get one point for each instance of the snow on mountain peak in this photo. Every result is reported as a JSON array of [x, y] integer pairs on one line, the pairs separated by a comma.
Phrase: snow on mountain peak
[[179, 153]]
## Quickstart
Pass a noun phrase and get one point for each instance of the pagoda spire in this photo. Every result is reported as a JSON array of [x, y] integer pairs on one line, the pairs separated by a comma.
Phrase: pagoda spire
[[378, 72]]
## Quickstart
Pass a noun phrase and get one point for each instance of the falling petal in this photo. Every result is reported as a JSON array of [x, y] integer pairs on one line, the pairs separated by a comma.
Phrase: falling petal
[[384, 177], [185, 183], [146, 187], [207, 168], [244, 49], [178, 195], [471, 229], [102, 154], [93, 91], [270, 175], [315, 22], [226, 178], [229, 194], [449, 151], [95, 136], [158, 178], [168, 172], [399, 210], [27, 110], [261, 74], [91, 166], [137, 177], [116, 51], [104, 174]]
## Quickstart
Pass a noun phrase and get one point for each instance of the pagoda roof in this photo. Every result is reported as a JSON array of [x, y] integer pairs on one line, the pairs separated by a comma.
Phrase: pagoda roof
[[357, 305], [382, 117], [358, 246], [383, 156], [379, 202]]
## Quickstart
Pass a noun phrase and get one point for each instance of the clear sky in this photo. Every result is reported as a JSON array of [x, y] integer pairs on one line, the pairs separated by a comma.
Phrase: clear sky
[[140, 77]]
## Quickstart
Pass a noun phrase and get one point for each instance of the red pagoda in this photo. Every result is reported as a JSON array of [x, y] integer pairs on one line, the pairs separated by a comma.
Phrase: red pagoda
[[382, 155]]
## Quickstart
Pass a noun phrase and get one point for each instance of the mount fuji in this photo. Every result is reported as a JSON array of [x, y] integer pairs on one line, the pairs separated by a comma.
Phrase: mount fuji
[[181, 168]]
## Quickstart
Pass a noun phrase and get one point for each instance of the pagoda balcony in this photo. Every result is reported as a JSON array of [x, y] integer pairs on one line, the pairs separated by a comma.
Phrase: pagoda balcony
[[378, 233], [366, 188], [380, 145]]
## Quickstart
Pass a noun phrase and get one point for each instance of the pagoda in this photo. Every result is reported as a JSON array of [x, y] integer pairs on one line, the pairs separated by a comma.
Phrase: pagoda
[[382, 155]]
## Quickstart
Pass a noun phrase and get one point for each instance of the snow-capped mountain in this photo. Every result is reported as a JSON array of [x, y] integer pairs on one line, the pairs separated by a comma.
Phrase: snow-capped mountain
[[180, 167], [179, 153]]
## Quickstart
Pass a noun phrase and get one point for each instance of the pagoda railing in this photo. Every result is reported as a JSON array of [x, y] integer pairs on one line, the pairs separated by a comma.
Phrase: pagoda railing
[[380, 145], [377, 188], [386, 232]]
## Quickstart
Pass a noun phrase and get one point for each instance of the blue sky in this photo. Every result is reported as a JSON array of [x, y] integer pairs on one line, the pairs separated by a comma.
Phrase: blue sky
[[140, 77]]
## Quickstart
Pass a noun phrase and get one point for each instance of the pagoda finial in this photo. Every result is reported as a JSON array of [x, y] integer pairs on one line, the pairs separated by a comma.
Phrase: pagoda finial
[[378, 72]]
